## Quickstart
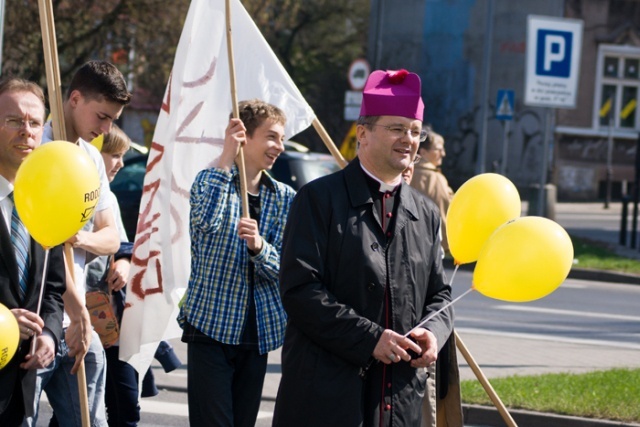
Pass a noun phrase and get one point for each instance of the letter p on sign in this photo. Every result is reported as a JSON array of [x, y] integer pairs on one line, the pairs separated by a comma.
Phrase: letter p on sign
[[554, 53]]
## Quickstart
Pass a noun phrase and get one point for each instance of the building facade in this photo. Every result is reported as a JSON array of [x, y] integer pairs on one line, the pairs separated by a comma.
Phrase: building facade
[[445, 42]]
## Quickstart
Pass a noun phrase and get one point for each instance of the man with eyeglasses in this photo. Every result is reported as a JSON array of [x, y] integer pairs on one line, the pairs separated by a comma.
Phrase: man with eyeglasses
[[360, 268], [21, 269]]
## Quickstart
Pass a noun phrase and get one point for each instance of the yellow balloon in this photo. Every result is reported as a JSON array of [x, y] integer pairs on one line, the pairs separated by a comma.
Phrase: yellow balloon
[[482, 204], [9, 336], [524, 260], [56, 191], [98, 141]]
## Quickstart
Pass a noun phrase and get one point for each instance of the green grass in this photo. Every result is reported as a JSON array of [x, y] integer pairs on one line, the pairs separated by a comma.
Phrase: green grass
[[596, 255], [611, 395]]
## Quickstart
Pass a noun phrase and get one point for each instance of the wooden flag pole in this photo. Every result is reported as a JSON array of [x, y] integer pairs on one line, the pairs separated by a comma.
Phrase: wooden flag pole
[[337, 155], [485, 382], [59, 133], [81, 374], [52, 68], [236, 114]]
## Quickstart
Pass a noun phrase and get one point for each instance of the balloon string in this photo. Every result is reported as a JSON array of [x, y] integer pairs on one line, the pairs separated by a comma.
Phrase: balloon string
[[453, 275], [44, 276], [432, 315]]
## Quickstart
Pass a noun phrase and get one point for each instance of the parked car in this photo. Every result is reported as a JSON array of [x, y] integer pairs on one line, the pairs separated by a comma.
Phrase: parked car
[[298, 168], [294, 167]]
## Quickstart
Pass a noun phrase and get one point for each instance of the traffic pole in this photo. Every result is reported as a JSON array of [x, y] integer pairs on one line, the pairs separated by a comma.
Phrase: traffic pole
[[505, 145]]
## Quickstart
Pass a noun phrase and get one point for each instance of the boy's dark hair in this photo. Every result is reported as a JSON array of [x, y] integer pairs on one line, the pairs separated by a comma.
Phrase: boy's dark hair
[[100, 79], [9, 84], [254, 112]]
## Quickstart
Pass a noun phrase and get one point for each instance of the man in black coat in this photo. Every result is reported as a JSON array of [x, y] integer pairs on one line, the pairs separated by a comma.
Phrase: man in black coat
[[22, 115], [360, 268]]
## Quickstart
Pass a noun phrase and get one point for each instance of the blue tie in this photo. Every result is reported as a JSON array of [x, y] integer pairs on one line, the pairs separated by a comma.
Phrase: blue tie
[[20, 239]]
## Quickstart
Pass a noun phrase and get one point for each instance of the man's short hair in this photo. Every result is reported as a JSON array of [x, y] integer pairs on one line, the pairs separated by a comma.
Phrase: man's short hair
[[116, 141], [254, 112], [16, 84], [100, 79], [367, 121]]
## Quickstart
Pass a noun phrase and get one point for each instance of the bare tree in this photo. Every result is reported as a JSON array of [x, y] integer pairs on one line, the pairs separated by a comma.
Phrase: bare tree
[[315, 41], [140, 36]]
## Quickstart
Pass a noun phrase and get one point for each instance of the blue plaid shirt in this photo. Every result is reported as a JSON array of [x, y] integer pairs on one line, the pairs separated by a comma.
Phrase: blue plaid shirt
[[217, 297]]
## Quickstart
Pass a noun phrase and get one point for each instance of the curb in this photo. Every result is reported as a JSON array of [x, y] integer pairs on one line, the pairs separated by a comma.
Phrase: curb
[[604, 276], [490, 417]]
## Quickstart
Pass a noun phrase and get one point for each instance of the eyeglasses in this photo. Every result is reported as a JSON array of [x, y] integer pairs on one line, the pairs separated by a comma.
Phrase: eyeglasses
[[17, 124], [399, 131], [417, 159]]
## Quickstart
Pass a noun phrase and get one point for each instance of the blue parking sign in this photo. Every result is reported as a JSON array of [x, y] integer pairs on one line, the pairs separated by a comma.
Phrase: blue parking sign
[[553, 61], [553, 55]]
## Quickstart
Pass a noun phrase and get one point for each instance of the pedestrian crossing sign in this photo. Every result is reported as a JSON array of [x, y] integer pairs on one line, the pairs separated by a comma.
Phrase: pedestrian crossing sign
[[504, 104]]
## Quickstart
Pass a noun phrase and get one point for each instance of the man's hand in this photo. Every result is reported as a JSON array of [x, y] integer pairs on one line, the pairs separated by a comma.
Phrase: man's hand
[[78, 338], [429, 347], [44, 354], [78, 240], [392, 347], [29, 323], [118, 274], [103, 239], [248, 231]]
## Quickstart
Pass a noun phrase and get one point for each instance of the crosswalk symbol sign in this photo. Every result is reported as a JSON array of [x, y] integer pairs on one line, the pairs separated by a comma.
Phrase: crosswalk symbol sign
[[504, 104]]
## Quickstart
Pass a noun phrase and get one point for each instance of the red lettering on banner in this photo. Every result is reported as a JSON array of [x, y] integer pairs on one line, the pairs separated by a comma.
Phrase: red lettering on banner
[[141, 284], [155, 147], [145, 230], [144, 233], [166, 104], [136, 282], [187, 121], [205, 78]]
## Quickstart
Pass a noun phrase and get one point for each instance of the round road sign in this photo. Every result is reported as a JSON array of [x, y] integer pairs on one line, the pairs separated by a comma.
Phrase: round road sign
[[358, 72]]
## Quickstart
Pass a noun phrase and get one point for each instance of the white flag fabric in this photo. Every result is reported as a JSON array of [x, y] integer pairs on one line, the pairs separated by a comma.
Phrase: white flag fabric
[[188, 138]]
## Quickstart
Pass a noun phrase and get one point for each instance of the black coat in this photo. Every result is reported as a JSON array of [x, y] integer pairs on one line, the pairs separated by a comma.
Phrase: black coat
[[51, 310], [334, 267]]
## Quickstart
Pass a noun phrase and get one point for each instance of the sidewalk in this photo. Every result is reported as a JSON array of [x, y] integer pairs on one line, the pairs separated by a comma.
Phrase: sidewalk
[[503, 355], [592, 221]]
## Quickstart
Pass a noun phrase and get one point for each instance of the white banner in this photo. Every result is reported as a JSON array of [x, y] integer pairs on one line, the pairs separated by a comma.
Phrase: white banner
[[188, 138]]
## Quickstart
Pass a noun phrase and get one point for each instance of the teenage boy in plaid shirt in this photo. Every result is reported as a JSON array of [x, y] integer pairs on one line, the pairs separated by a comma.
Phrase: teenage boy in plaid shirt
[[232, 315]]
